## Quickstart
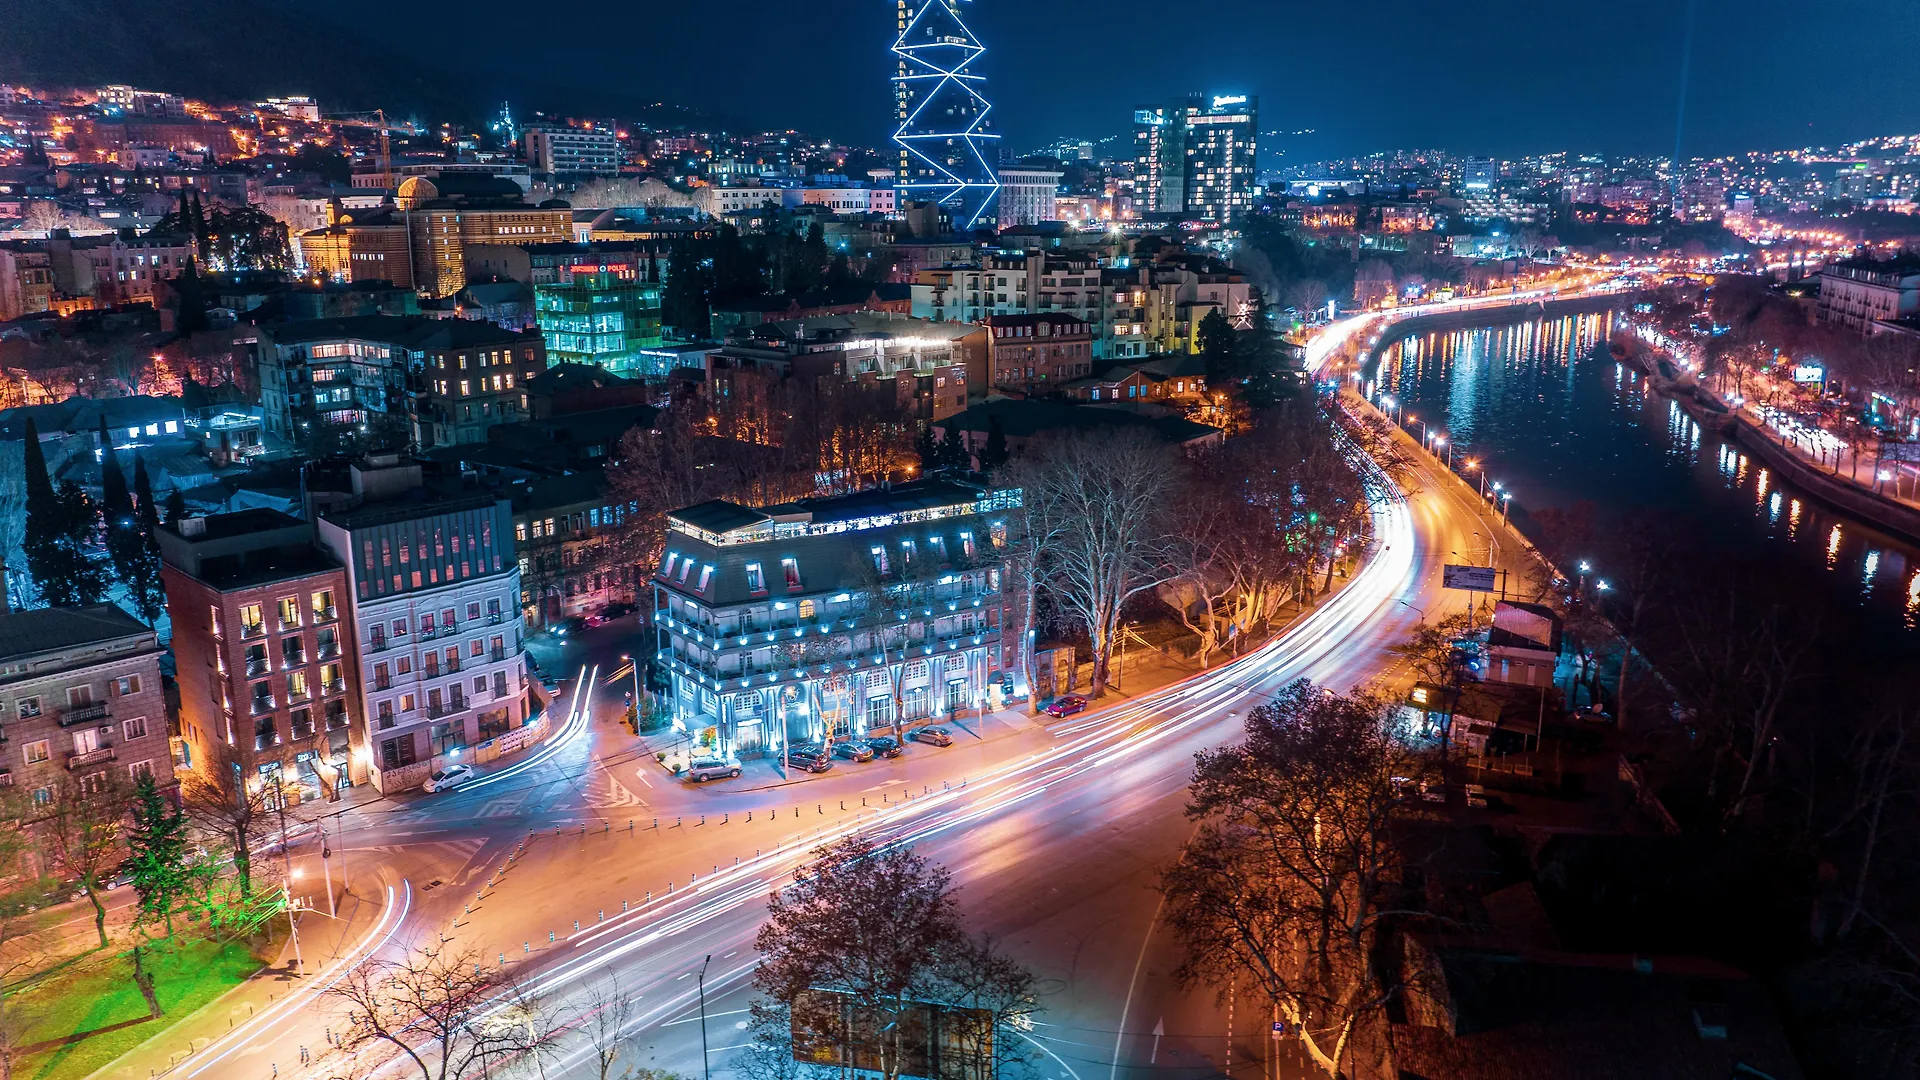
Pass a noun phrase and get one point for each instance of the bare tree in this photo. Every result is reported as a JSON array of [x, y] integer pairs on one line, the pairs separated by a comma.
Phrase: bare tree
[[1286, 882], [605, 1013], [219, 799], [82, 831], [1103, 500], [445, 1010]]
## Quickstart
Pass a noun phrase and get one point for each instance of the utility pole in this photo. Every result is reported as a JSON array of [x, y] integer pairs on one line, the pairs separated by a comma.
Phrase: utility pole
[[326, 867], [706, 1069]]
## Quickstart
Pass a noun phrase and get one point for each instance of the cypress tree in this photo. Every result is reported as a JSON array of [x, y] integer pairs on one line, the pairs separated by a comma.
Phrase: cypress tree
[[994, 454], [157, 844], [145, 511], [115, 503]]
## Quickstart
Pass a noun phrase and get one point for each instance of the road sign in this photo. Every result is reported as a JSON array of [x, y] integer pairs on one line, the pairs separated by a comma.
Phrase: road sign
[[1279, 1028], [1469, 578]]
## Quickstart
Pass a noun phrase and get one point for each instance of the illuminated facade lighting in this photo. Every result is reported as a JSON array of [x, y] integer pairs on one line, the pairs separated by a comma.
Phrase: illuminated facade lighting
[[947, 152]]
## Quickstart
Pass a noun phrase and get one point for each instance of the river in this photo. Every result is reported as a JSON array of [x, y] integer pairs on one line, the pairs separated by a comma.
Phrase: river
[[1553, 417]]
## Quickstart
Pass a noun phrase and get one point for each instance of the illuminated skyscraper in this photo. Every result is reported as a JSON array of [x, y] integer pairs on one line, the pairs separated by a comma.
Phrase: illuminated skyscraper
[[947, 152], [1197, 158]]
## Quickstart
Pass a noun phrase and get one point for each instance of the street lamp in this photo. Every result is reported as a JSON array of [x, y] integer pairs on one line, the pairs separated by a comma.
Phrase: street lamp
[[1506, 507], [636, 690], [1473, 465], [1439, 441]]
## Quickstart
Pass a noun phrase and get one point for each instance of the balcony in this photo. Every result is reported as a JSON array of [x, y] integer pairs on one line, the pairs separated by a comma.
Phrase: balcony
[[289, 625], [333, 686], [378, 644], [499, 653], [257, 668], [77, 760], [453, 665], [427, 633], [262, 706], [325, 614], [92, 712], [249, 631], [328, 650], [383, 684], [494, 618]]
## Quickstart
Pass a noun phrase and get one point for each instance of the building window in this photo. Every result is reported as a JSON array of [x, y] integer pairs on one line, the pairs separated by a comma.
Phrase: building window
[[29, 706], [397, 752], [289, 612], [966, 544], [879, 553], [756, 579], [37, 752], [806, 610], [252, 622], [790, 568], [140, 770], [135, 728], [706, 578]]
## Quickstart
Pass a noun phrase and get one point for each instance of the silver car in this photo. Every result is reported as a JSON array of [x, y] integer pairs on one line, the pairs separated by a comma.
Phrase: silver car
[[705, 769]]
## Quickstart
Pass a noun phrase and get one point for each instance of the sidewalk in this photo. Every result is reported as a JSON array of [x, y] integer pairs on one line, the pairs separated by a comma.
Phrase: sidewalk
[[185, 1040]]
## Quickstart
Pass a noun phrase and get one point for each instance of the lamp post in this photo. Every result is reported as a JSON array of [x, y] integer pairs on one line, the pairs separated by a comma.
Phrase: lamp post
[[635, 661], [1440, 441], [705, 1069], [1506, 508], [1473, 466]]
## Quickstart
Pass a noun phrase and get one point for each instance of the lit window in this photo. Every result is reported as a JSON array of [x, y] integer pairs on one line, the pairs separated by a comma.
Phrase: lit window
[[790, 568], [806, 609], [756, 579], [706, 577], [879, 558]]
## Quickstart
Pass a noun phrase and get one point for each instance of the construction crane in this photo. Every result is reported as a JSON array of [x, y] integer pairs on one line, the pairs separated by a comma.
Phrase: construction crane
[[376, 119]]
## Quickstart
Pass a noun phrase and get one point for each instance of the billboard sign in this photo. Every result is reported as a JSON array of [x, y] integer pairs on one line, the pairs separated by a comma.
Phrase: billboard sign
[[1469, 578]]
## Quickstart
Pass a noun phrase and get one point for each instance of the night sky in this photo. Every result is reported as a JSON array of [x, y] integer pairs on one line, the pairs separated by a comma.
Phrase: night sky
[[1499, 76]]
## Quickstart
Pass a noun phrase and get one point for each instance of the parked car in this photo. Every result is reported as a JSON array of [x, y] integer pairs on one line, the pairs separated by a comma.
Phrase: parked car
[[809, 757], [885, 746], [704, 769], [448, 778], [935, 736], [617, 609], [853, 750], [1065, 705]]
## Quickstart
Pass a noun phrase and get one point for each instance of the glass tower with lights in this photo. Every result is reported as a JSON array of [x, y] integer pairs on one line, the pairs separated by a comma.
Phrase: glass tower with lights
[[948, 153]]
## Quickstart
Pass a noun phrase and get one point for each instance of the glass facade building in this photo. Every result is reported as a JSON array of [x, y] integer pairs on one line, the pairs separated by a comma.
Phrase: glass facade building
[[602, 315]]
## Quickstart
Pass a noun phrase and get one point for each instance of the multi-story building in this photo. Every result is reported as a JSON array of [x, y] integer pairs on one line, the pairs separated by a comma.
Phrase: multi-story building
[[434, 587], [943, 128], [600, 313], [558, 148], [1197, 159], [1856, 293], [441, 380], [420, 242], [933, 366], [1038, 353], [564, 536], [80, 702], [1027, 196], [121, 268], [1004, 284], [833, 617], [260, 641]]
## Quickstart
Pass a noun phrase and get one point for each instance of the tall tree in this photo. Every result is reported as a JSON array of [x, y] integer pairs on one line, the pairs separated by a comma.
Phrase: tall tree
[[157, 852], [61, 527], [1218, 342], [865, 937], [140, 569], [993, 453], [82, 832], [1287, 882], [1104, 500], [115, 503], [218, 799]]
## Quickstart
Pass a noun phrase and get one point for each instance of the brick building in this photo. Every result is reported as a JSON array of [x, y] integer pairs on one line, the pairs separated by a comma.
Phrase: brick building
[[1039, 352], [80, 702], [261, 651]]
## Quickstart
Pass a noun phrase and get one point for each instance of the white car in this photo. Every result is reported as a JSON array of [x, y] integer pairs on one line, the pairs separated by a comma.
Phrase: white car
[[448, 778], [711, 769]]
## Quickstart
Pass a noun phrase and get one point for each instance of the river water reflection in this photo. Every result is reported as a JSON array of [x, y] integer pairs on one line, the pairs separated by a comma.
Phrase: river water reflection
[[1554, 418]]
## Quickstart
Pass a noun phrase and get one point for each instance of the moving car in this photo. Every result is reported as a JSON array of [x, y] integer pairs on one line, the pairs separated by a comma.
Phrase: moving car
[[853, 750], [935, 736], [1065, 705], [448, 778], [885, 746], [617, 609], [704, 769], [572, 624], [809, 757]]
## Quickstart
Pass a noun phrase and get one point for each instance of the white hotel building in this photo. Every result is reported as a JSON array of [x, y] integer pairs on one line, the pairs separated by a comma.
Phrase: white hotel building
[[830, 618]]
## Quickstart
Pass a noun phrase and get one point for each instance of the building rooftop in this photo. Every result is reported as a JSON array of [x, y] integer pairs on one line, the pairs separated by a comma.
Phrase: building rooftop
[[1025, 419], [409, 331], [45, 630], [919, 500]]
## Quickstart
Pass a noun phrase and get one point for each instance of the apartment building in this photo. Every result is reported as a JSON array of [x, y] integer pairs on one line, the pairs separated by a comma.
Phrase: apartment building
[[1004, 284], [435, 592], [1038, 353], [261, 652], [831, 618], [1856, 293], [581, 151], [80, 704]]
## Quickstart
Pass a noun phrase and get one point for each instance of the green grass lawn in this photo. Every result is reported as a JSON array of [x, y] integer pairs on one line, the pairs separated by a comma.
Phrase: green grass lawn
[[98, 992]]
